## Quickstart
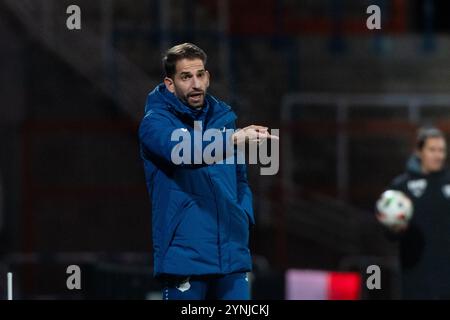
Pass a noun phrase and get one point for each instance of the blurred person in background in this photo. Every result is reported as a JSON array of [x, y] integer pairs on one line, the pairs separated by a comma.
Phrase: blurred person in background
[[424, 243], [201, 213]]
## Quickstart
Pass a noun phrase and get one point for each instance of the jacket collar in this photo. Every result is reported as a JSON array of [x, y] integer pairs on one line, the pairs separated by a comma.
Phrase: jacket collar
[[214, 110], [414, 167]]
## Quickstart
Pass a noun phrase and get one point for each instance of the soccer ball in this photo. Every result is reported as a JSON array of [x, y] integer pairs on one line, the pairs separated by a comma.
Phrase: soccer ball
[[394, 209]]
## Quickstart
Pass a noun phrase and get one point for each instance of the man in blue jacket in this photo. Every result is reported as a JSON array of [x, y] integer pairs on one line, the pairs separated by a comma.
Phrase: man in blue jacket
[[201, 211]]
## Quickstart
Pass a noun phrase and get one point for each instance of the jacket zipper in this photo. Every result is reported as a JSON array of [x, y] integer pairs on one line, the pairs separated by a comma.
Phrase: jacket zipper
[[219, 242], [218, 220]]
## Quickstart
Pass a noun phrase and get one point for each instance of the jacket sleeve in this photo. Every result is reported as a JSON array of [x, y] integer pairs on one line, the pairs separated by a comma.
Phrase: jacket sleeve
[[155, 135], [245, 197]]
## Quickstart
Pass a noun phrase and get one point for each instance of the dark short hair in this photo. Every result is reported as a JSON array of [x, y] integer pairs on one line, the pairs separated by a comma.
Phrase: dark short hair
[[425, 133], [178, 52]]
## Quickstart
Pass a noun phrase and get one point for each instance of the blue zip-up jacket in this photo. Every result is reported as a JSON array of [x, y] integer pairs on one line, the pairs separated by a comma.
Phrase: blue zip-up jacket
[[201, 214]]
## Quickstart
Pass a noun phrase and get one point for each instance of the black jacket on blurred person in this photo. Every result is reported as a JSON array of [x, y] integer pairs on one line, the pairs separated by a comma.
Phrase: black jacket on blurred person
[[425, 245]]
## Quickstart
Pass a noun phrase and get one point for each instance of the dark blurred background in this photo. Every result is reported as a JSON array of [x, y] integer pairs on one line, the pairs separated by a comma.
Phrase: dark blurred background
[[347, 101]]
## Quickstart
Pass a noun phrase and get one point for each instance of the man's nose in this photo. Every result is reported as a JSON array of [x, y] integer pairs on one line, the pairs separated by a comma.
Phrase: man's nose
[[196, 82]]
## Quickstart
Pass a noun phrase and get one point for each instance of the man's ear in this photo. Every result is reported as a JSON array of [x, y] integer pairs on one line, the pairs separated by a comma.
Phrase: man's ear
[[207, 77], [169, 84]]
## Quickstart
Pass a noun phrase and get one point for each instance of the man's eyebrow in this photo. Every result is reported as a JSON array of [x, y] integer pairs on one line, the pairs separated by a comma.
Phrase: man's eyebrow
[[187, 73]]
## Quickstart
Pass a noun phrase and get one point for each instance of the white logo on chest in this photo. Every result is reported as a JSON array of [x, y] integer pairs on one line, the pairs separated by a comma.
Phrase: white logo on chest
[[417, 187]]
